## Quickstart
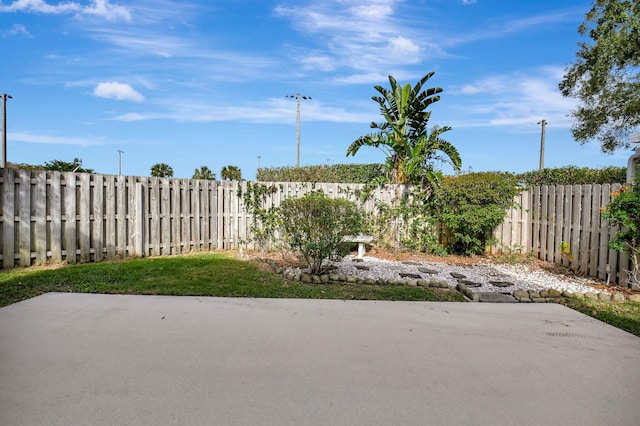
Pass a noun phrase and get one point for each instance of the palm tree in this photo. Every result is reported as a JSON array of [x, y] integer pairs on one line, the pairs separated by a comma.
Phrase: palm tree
[[161, 170], [231, 173], [204, 173], [404, 136]]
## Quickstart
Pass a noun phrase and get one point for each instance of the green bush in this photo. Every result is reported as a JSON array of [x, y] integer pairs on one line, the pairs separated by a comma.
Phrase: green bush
[[266, 217], [470, 206], [624, 212], [572, 175], [314, 226], [336, 173]]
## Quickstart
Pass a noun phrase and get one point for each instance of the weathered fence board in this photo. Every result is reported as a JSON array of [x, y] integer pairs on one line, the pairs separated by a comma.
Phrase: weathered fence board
[[50, 217]]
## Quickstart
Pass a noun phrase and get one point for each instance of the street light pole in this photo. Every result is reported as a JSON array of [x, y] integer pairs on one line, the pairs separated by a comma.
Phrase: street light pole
[[120, 152], [298, 96], [544, 124], [4, 128]]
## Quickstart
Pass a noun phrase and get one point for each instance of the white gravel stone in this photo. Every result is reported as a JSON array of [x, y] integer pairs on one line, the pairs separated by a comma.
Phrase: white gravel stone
[[523, 277]]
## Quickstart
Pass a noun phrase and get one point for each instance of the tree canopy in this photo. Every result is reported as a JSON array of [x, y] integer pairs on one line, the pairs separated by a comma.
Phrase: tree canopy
[[231, 173], [161, 170], [606, 75], [404, 136], [204, 173]]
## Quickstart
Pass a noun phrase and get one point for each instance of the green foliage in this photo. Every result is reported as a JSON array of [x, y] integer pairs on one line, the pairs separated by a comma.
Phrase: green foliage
[[315, 224], [231, 173], [606, 75], [624, 212], [266, 217], [470, 206], [340, 173], [572, 175], [64, 166], [404, 137], [204, 173], [161, 170]]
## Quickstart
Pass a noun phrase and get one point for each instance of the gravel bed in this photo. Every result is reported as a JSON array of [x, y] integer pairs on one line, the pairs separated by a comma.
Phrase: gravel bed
[[523, 277]]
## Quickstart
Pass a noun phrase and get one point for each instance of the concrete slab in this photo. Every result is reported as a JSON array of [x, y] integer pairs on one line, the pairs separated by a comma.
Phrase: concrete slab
[[69, 359]]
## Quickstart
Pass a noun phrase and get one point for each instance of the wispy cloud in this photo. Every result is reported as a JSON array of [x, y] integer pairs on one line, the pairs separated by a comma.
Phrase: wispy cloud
[[100, 8], [15, 30], [117, 91], [53, 140], [518, 99]]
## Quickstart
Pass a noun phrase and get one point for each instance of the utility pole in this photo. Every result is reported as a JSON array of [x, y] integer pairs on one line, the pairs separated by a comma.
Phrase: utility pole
[[4, 128], [259, 157], [297, 96], [120, 152], [544, 124]]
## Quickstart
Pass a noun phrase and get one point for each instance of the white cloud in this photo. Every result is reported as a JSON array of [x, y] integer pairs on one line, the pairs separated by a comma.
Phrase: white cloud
[[101, 8], [52, 140], [518, 99], [118, 91], [16, 29]]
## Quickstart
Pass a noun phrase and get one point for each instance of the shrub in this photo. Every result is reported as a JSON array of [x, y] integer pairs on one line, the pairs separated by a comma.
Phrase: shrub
[[314, 226], [572, 175], [266, 217], [624, 212], [470, 206]]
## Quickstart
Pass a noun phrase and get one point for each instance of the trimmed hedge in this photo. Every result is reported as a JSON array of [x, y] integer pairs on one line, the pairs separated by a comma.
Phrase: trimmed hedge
[[334, 173], [572, 175]]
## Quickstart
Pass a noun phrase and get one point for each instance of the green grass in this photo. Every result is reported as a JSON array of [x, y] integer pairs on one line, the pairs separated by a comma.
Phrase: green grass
[[210, 274], [625, 316]]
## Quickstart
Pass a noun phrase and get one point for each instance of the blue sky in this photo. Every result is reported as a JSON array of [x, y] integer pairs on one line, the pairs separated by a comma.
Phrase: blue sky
[[203, 82]]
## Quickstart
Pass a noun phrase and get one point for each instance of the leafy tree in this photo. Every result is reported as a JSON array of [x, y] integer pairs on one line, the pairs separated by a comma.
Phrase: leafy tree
[[161, 170], [606, 75], [63, 166], [204, 173], [404, 136], [231, 173]]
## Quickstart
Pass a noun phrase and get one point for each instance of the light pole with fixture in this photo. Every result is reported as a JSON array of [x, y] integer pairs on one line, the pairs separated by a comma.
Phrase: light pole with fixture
[[297, 96], [544, 124], [4, 128]]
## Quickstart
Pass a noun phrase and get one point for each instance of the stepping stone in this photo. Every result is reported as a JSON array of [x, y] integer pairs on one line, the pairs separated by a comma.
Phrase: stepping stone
[[469, 283], [410, 275], [457, 275], [491, 297], [501, 283], [362, 268], [357, 260], [427, 271], [410, 263]]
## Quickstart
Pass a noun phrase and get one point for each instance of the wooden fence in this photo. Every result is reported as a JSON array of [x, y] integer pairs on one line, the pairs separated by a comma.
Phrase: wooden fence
[[53, 217]]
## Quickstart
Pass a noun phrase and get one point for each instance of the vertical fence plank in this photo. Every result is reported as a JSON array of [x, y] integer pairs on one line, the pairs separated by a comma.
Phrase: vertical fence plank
[[574, 239], [84, 222], [8, 219], [594, 241], [176, 213], [585, 230], [40, 216], [613, 256], [24, 218], [196, 235], [154, 219], [111, 214], [98, 222], [55, 214], [535, 213], [138, 218], [603, 248], [69, 217], [165, 216], [121, 216], [186, 215], [544, 222]]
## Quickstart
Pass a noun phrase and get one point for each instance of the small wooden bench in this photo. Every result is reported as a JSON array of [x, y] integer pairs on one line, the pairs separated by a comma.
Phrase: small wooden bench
[[361, 240]]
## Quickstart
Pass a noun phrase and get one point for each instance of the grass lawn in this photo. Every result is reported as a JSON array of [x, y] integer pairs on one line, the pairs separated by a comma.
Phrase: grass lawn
[[210, 274], [220, 274]]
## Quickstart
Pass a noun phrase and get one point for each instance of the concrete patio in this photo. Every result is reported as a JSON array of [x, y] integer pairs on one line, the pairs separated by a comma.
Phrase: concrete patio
[[69, 359]]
